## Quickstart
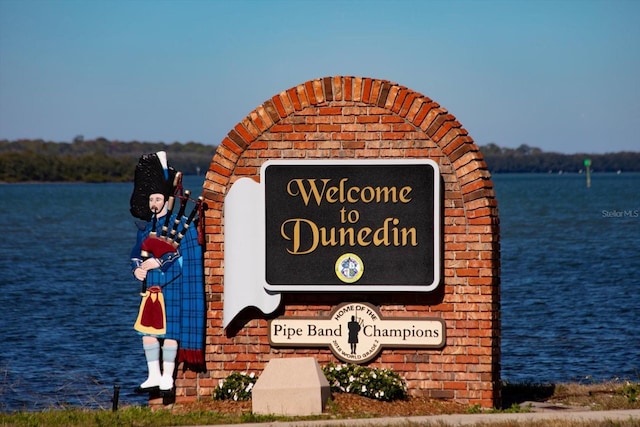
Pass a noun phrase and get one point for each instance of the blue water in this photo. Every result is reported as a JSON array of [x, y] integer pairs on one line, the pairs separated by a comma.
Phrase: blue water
[[570, 287], [570, 277]]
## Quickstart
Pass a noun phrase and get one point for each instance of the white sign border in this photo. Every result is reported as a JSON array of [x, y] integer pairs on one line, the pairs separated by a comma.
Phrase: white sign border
[[437, 236]]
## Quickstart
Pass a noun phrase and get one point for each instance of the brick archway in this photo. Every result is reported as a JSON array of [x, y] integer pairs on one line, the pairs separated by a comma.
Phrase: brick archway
[[359, 118]]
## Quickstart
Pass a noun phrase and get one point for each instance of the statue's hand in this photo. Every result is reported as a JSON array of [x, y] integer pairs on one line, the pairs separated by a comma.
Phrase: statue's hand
[[150, 264], [140, 273]]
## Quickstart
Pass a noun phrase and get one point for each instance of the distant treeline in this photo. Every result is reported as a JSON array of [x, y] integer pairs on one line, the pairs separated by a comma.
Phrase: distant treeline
[[101, 160], [97, 160], [531, 159]]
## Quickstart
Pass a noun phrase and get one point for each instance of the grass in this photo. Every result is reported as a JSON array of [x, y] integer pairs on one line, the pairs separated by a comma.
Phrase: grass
[[597, 396], [131, 416]]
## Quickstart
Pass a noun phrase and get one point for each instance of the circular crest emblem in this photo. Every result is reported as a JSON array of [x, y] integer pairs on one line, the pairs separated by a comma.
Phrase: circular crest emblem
[[349, 268]]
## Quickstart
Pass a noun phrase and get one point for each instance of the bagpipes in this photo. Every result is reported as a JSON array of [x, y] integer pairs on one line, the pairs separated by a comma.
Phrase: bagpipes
[[168, 240]]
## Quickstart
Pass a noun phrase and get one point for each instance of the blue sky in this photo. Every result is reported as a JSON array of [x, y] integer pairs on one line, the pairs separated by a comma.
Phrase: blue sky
[[562, 75]]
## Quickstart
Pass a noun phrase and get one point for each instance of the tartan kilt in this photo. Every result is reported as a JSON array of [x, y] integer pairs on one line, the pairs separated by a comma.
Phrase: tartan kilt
[[172, 293]]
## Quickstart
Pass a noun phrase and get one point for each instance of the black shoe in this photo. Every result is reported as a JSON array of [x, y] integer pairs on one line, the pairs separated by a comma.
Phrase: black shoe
[[168, 396], [142, 390], [165, 393]]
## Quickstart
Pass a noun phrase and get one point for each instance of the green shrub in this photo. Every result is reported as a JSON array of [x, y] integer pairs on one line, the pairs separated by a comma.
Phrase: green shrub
[[375, 383], [631, 391], [236, 386]]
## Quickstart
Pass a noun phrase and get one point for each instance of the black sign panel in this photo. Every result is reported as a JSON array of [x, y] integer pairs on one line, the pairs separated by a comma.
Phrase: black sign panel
[[369, 225]]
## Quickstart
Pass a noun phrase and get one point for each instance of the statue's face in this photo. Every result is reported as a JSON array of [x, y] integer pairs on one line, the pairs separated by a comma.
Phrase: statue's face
[[156, 204]]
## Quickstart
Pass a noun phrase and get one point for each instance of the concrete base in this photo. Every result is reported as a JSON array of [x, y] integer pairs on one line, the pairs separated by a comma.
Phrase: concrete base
[[291, 386]]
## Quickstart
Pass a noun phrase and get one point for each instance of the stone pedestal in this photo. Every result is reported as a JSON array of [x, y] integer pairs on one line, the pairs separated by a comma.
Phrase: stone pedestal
[[291, 386]]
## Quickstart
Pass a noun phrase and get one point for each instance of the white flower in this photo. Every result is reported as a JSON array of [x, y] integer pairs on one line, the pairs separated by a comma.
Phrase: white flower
[[251, 375], [364, 388]]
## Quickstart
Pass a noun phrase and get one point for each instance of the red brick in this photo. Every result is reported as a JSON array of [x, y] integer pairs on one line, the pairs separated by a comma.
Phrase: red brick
[[310, 92], [391, 119], [328, 128], [406, 105], [282, 127], [366, 91], [293, 98], [397, 105], [279, 106], [330, 111], [368, 119], [375, 91], [357, 88], [302, 96], [348, 89], [337, 89]]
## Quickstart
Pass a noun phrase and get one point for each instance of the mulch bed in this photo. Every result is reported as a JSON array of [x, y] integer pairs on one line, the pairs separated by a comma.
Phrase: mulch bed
[[344, 405]]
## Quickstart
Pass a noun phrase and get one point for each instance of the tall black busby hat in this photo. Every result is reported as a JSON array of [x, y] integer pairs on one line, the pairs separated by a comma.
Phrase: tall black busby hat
[[153, 175]]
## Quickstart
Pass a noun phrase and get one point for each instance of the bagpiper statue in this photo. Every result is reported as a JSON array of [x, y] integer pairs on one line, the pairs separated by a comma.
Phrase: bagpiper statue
[[167, 262]]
